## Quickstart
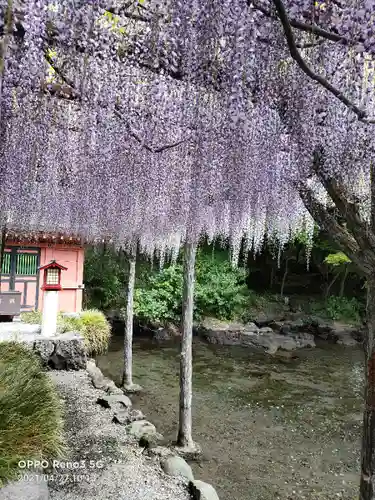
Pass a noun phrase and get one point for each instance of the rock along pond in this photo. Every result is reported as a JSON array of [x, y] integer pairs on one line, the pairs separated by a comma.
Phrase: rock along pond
[[269, 429]]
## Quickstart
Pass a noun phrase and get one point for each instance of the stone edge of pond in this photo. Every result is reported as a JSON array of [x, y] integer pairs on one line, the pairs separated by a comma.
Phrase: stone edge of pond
[[170, 459]]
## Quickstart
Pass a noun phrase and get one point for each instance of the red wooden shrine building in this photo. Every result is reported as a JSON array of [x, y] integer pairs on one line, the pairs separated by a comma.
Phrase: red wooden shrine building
[[25, 254]]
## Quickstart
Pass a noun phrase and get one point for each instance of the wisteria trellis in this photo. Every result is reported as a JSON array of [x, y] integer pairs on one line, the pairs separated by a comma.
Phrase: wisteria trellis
[[175, 118]]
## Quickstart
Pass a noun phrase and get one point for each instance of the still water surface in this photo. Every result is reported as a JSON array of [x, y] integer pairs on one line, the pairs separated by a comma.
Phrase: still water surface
[[269, 429]]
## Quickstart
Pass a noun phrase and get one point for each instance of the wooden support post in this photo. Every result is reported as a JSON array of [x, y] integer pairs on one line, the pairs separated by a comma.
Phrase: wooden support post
[[184, 439], [127, 375]]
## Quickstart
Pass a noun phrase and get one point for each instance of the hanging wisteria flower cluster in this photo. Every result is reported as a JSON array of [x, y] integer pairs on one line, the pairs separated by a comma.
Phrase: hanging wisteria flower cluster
[[156, 121]]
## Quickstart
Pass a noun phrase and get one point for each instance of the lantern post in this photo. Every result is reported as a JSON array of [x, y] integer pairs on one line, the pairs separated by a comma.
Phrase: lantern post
[[51, 287]]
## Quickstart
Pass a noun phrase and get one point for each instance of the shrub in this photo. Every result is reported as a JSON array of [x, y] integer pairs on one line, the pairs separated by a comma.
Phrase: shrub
[[94, 328], [220, 291], [159, 301], [30, 411], [349, 310], [343, 308]]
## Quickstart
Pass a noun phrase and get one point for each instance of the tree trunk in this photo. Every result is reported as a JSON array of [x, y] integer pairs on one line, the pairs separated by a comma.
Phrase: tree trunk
[[4, 43], [284, 277], [343, 281], [3, 240], [184, 438], [367, 484], [272, 277], [358, 243], [127, 376], [330, 285]]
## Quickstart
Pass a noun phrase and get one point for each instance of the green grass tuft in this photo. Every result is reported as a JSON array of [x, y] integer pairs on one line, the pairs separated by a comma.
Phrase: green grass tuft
[[31, 424]]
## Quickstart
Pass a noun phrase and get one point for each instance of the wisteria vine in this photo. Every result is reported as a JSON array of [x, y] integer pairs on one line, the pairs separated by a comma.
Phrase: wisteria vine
[[161, 121]]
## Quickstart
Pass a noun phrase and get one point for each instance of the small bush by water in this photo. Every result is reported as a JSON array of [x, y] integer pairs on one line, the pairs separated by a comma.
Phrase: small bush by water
[[220, 291], [339, 309], [30, 411], [159, 300], [94, 328]]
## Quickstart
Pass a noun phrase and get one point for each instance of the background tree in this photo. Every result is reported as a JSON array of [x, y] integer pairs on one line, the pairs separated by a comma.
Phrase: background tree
[[341, 265]]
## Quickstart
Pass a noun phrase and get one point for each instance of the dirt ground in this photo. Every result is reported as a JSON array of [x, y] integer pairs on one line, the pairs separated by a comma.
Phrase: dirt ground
[[269, 429]]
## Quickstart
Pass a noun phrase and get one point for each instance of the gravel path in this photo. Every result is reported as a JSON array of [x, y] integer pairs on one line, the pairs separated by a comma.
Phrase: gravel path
[[110, 465]]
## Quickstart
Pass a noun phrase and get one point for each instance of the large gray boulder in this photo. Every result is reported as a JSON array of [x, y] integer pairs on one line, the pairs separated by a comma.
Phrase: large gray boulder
[[141, 428], [296, 325], [65, 351], [149, 441], [344, 334], [127, 416], [95, 374], [132, 388], [335, 332], [177, 466], [61, 352], [251, 327], [221, 332], [99, 381], [250, 335], [264, 319], [269, 340], [304, 339], [111, 388], [70, 352], [44, 349], [115, 401], [199, 490]]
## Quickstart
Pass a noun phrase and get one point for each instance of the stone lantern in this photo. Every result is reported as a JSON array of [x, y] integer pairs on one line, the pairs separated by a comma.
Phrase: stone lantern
[[51, 287]]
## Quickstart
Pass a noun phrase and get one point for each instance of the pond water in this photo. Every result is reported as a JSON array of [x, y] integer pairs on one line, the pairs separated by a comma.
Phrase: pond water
[[269, 429]]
